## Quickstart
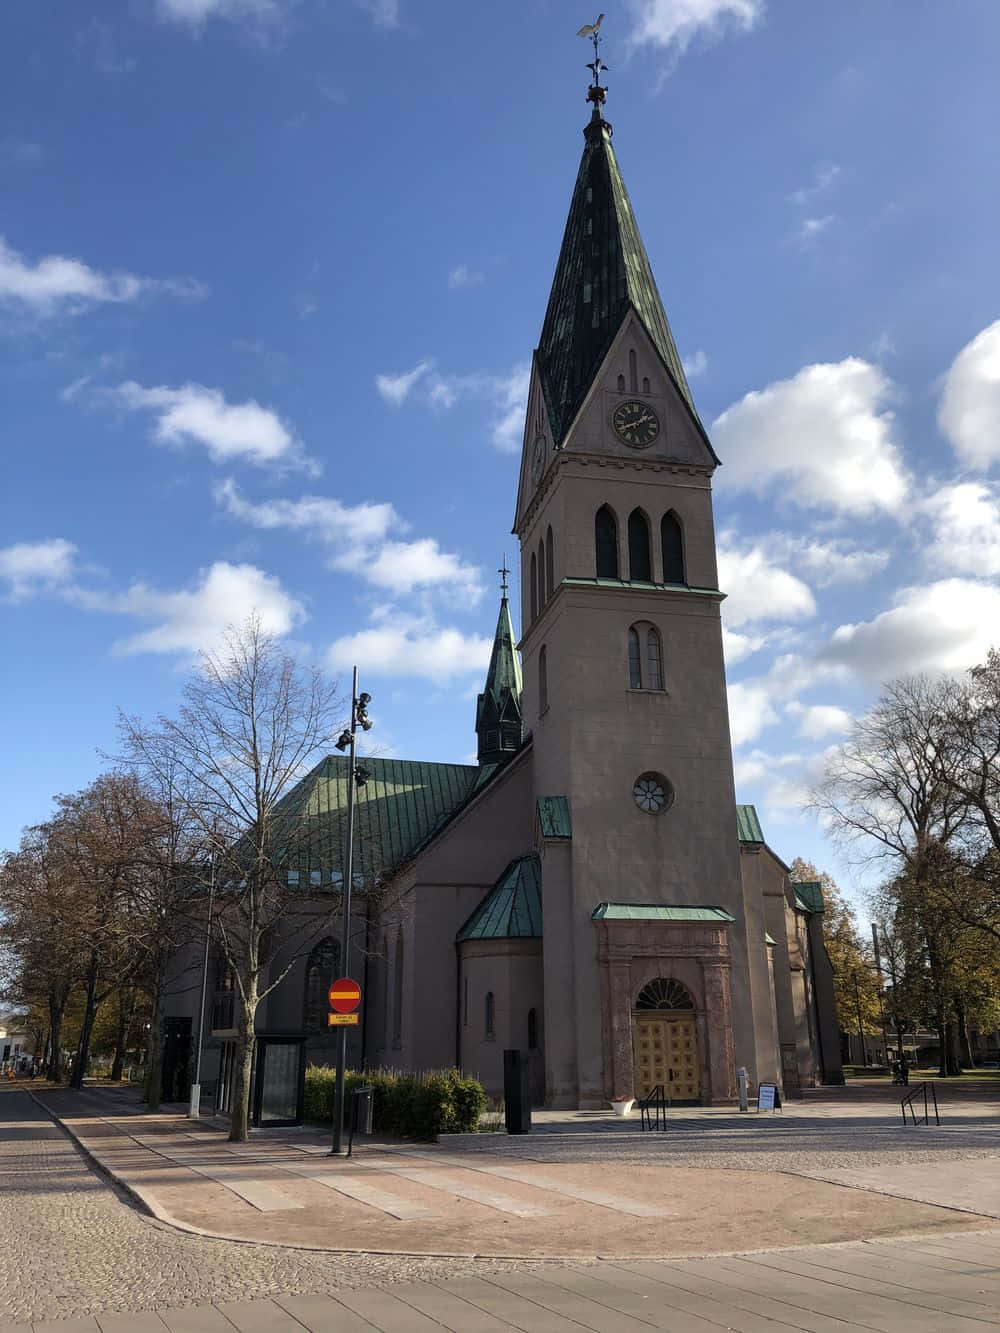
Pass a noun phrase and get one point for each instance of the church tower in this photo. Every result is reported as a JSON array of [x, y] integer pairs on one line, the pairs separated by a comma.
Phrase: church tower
[[655, 966]]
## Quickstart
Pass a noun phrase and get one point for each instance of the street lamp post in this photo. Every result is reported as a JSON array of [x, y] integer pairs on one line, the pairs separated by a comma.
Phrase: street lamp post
[[355, 777]]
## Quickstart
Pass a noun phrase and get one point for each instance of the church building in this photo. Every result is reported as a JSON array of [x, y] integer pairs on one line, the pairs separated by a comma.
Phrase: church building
[[589, 892]]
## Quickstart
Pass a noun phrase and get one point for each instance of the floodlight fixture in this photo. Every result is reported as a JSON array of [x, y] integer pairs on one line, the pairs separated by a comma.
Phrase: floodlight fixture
[[344, 743]]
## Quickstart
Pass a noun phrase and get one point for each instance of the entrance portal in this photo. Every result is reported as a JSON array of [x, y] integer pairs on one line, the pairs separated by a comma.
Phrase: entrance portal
[[665, 1042]]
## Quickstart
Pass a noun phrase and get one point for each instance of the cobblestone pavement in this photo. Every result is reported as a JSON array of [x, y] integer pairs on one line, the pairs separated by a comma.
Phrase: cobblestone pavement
[[71, 1246]]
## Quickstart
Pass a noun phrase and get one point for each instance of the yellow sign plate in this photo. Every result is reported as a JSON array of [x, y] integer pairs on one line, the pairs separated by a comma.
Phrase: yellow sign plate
[[343, 1020]]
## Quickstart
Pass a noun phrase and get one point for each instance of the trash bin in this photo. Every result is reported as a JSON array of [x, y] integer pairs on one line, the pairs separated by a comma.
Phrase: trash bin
[[362, 1107]]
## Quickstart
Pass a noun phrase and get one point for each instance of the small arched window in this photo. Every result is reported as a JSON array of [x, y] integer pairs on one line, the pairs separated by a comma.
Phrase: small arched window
[[397, 991], [322, 967], [645, 384], [543, 681], [532, 1030], [491, 1014], [654, 660], [541, 574], [638, 547], [533, 594], [549, 580], [621, 383], [672, 543], [645, 657], [634, 660], [606, 541]]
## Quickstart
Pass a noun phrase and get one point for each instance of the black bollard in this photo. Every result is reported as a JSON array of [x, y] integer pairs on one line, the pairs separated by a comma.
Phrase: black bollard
[[516, 1092]]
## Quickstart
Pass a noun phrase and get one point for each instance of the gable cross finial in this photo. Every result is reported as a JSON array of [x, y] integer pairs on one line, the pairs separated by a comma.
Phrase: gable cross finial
[[503, 571]]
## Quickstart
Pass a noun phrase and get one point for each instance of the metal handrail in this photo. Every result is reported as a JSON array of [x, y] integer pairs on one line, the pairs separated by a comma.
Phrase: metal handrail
[[907, 1105], [653, 1109]]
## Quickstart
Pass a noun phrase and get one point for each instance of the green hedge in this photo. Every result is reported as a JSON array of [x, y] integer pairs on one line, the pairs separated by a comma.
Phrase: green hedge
[[406, 1106]]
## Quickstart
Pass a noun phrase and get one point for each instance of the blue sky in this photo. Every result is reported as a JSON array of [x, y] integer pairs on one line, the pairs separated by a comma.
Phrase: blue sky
[[271, 275]]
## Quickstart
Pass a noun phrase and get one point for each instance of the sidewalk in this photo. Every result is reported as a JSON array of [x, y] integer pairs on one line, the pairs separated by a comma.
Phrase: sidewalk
[[585, 1193]]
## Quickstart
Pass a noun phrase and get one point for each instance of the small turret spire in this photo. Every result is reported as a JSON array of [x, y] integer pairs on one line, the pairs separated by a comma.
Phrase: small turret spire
[[498, 708]]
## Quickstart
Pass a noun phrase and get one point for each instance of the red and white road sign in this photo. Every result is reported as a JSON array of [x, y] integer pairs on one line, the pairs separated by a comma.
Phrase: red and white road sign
[[345, 996]]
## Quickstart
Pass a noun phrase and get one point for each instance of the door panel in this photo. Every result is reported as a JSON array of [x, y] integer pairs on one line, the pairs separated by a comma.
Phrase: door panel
[[666, 1052]]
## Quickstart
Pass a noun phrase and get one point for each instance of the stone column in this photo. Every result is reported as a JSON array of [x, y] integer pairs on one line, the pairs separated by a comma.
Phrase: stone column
[[617, 996], [718, 1008]]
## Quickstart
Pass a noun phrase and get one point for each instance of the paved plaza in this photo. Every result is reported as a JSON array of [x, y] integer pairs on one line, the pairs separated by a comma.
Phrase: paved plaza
[[750, 1192]]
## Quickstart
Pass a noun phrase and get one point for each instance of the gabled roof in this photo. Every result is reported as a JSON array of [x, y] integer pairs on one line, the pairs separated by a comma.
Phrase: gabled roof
[[396, 810], [809, 896], [658, 912], [603, 272], [748, 825], [513, 907]]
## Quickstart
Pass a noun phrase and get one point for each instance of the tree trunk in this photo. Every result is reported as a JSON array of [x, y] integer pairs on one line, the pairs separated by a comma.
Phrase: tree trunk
[[240, 1128], [954, 1063], [126, 1012], [154, 1052], [54, 1069], [964, 1035], [86, 1027], [942, 1032]]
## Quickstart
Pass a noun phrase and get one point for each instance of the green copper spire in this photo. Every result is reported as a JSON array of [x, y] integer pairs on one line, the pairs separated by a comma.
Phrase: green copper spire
[[602, 273], [498, 708]]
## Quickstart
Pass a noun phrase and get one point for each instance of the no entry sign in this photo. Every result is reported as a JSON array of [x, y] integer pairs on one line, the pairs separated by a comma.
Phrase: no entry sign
[[345, 996]]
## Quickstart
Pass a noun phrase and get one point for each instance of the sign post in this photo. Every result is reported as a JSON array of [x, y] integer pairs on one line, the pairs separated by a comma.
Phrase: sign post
[[345, 1001]]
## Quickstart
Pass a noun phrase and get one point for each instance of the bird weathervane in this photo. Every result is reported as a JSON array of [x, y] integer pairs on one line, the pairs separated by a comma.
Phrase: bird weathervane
[[595, 93]]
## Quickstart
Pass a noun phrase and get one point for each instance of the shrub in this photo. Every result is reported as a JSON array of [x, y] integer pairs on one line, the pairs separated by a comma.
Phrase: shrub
[[406, 1106]]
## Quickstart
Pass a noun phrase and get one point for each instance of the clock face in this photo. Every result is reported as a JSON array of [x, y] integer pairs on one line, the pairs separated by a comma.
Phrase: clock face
[[537, 458], [635, 424], [652, 793]]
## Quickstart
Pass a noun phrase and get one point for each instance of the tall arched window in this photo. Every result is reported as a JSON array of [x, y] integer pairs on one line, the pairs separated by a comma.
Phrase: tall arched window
[[543, 681], [634, 660], [645, 657], [638, 547], [385, 989], [654, 660], [491, 1015], [541, 574], [606, 541], [397, 992], [549, 580], [633, 373], [534, 586], [532, 1030], [322, 967], [672, 543]]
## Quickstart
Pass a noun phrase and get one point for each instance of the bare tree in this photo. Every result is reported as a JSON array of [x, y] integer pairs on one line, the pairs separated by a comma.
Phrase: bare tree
[[252, 722]]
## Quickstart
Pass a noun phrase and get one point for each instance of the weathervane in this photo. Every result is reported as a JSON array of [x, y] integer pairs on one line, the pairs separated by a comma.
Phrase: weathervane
[[503, 571], [595, 93]]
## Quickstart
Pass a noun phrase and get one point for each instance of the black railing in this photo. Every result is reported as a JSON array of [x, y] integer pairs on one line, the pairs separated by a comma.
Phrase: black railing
[[653, 1109], [224, 1011], [928, 1092]]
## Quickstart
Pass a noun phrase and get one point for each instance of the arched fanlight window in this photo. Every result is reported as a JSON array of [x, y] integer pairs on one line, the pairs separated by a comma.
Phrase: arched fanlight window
[[664, 993], [541, 574], [322, 967], [491, 1014], [532, 1030], [634, 660], [638, 547], [672, 544], [533, 594], [606, 541], [543, 681], [549, 580], [397, 991], [654, 659]]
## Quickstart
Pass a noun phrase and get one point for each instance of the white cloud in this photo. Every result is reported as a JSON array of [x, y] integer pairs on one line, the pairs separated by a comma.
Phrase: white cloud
[[964, 529], [674, 23], [824, 438], [461, 276], [385, 13], [949, 625], [758, 590], [695, 365], [395, 389], [510, 396], [30, 567], [59, 285], [401, 645], [193, 13], [969, 414], [819, 720], [18, 152], [823, 178], [739, 646], [824, 561], [750, 710], [196, 620], [228, 431], [359, 536], [810, 229]]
